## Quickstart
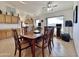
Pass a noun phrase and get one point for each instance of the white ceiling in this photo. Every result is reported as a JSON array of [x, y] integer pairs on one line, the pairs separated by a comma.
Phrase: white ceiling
[[35, 7], [31, 7], [63, 5]]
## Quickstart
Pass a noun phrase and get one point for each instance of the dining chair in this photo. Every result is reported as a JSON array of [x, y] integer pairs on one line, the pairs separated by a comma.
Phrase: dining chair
[[19, 43], [52, 33], [45, 41], [51, 38]]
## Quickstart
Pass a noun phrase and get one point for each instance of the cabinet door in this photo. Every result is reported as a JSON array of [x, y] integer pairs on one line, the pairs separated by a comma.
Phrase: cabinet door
[[4, 34], [2, 18], [0, 35], [9, 33], [14, 19], [19, 31], [8, 19]]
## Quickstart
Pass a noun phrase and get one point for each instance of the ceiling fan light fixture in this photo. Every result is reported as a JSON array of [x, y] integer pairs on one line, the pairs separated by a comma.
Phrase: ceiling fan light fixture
[[55, 5], [22, 2], [49, 4], [49, 9]]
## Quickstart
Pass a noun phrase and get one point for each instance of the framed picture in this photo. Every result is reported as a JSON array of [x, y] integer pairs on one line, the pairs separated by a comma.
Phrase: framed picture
[[75, 14]]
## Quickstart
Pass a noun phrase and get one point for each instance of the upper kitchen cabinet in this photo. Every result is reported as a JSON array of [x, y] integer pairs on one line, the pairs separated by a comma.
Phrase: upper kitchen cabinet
[[8, 19], [15, 19], [2, 18]]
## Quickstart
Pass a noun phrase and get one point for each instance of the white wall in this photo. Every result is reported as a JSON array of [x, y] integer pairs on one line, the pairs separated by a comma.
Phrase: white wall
[[9, 26], [76, 31]]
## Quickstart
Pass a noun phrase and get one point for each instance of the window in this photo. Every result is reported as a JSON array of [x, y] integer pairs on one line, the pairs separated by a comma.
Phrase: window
[[37, 21], [55, 20]]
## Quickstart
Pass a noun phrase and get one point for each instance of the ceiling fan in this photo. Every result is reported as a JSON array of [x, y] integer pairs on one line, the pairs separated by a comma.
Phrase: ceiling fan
[[50, 6], [22, 2]]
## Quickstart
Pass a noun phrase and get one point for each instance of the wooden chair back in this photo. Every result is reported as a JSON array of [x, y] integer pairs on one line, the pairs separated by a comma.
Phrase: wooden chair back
[[48, 33], [46, 36], [16, 39]]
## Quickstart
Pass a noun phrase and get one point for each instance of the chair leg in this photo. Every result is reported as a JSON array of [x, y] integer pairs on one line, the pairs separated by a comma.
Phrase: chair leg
[[15, 51], [43, 52], [33, 48], [50, 47], [52, 43], [19, 52]]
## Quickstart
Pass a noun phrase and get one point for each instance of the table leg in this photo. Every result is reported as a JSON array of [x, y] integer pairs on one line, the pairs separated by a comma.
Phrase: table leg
[[33, 48]]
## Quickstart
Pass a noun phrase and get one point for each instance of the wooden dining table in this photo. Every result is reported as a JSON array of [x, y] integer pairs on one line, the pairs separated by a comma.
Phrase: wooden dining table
[[32, 37]]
